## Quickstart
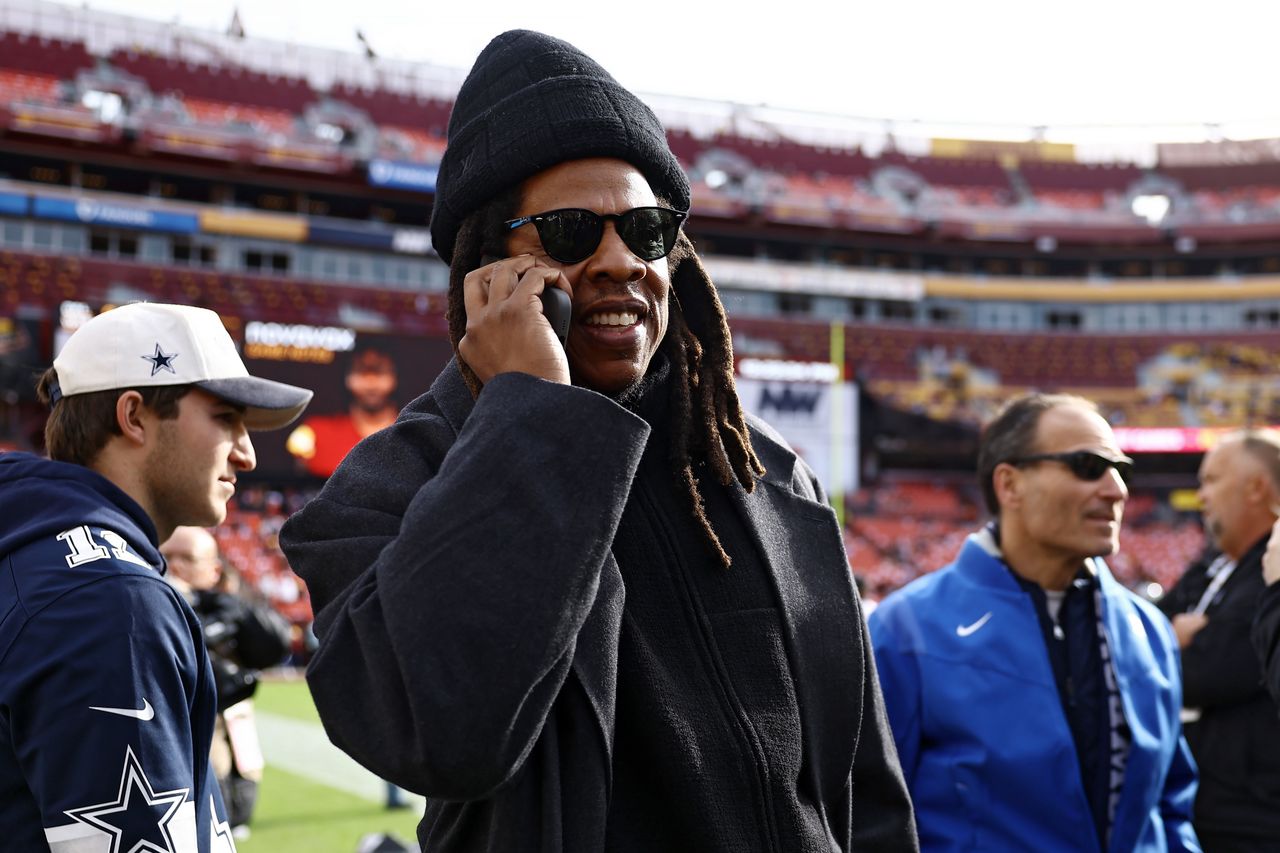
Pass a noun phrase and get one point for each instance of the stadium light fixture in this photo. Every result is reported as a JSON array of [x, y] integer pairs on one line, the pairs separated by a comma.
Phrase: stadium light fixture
[[1153, 207], [330, 132], [716, 178], [108, 106]]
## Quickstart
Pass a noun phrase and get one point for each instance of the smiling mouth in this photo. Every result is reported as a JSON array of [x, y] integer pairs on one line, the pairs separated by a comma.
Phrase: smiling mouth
[[613, 319]]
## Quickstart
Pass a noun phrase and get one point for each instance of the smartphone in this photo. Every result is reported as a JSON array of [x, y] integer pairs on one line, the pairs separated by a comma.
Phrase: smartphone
[[557, 308], [556, 305]]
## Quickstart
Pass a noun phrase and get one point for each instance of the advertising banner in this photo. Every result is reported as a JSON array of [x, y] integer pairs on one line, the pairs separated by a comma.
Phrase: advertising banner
[[13, 204], [818, 419], [96, 212], [400, 175], [361, 381]]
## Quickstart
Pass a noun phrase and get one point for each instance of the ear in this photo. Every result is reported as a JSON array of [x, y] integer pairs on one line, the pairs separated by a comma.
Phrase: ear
[[132, 417], [1007, 481], [1258, 490]]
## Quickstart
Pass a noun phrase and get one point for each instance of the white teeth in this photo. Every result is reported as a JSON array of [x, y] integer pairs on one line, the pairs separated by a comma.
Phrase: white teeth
[[624, 318]]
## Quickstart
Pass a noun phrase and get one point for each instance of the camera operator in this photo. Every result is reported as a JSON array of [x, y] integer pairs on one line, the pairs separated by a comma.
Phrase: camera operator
[[242, 637]]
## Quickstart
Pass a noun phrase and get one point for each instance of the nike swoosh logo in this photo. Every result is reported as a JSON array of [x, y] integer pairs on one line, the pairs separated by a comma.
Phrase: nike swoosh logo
[[145, 713], [966, 630]]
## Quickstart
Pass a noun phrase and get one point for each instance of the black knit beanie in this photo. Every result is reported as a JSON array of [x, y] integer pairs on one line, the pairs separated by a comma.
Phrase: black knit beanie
[[532, 101]]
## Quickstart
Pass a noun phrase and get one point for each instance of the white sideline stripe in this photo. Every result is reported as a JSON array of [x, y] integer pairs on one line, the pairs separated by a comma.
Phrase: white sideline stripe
[[303, 748]]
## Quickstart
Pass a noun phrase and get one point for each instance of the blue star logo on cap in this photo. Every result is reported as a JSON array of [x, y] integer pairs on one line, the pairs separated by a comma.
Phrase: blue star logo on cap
[[161, 361]]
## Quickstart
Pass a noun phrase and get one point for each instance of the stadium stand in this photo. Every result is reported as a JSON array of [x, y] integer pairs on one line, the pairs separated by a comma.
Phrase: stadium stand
[[342, 157], [54, 57], [227, 84]]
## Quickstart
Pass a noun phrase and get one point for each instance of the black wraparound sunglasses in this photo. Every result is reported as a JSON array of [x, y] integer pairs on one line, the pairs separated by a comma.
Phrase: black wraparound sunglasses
[[1085, 464], [572, 234]]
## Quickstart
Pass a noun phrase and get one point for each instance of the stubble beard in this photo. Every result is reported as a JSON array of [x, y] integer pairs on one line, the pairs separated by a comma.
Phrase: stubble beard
[[177, 499]]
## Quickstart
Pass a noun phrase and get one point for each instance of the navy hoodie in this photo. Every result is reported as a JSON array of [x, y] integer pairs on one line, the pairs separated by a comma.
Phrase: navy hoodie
[[107, 700]]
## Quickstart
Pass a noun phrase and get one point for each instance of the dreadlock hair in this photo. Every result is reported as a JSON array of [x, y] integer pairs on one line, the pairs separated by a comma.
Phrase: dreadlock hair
[[709, 426]]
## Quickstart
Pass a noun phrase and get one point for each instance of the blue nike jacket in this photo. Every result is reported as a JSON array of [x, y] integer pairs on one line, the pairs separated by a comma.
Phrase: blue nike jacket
[[107, 699], [979, 724]]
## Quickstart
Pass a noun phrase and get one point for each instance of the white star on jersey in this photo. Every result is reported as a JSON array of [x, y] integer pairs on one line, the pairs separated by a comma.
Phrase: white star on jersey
[[133, 820]]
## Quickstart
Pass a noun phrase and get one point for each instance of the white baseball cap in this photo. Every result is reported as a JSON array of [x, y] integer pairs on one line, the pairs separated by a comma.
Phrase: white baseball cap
[[145, 345]]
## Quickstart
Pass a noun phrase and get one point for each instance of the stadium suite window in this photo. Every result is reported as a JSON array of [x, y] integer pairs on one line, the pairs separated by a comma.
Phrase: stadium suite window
[[193, 254], [257, 260], [329, 265], [896, 309], [72, 240], [42, 237], [943, 315], [1262, 318], [155, 248], [795, 303], [831, 307], [1063, 320], [12, 233]]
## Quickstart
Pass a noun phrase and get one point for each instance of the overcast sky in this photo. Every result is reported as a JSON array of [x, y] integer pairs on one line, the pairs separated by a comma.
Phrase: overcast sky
[[1025, 62]]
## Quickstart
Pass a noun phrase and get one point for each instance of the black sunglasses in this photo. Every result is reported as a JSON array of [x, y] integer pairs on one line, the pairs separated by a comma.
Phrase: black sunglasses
[[572, 234], [1085, 464]]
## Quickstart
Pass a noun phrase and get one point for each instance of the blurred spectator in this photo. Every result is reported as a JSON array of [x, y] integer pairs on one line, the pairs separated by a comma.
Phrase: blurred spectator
[[1231, 721], [1266, 630], [1033, 699], [242, 636]]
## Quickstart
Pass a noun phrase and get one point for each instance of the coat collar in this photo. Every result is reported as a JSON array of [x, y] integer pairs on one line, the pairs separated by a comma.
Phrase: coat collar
[[452, 395], [982, 561]]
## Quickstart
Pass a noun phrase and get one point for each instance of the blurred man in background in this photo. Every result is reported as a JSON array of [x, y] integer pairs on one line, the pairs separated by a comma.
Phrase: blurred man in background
[[242, 637], [1231, 721], [1266, 628], [322, 441], [1033, 699]]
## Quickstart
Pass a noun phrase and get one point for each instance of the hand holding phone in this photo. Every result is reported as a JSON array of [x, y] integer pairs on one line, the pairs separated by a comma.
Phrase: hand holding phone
[[504, 333]]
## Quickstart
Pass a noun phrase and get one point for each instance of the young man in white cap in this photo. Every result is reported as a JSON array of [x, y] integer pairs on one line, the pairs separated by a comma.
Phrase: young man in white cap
[[107, 699]]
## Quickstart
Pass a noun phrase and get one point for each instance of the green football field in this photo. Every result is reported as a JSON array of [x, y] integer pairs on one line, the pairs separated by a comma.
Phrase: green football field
[[314, 799]]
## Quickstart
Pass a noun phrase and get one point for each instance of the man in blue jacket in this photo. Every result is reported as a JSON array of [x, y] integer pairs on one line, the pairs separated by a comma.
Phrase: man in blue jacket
[[1034, 701], [107, 698]]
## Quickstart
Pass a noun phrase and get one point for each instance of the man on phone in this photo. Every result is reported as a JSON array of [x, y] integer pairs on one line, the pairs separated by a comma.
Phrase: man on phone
[[575, 595]]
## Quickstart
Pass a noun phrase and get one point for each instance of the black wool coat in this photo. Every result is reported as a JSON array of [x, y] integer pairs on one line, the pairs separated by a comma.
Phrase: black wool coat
[[468, 610], [1266, 638], [1236, 741]]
